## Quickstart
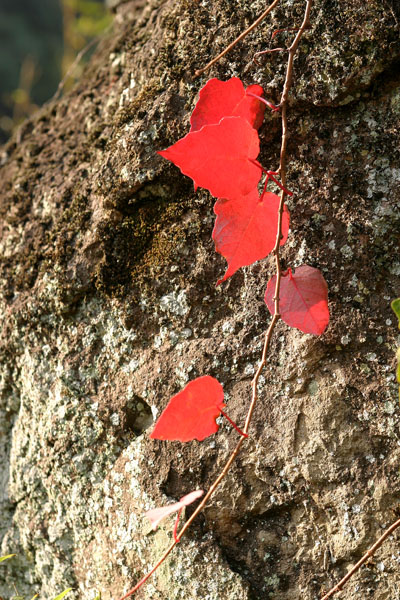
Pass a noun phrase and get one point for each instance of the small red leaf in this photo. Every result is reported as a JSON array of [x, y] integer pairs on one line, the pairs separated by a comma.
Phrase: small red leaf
[[303, 299], [218, 99], [245, 229], [220, 158], [191, 414], [158, 514]]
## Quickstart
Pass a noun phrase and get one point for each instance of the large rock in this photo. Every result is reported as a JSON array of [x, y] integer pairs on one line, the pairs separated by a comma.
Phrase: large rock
[[109, 306]]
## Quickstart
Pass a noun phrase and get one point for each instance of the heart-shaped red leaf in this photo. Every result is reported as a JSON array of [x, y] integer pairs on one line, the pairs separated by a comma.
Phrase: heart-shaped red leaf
[[303, 299], [191, 414], [218, 99], [220, 158], [245, 229]]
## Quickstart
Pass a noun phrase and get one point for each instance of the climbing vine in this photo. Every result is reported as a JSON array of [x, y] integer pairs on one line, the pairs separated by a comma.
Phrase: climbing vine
[[220, 154]]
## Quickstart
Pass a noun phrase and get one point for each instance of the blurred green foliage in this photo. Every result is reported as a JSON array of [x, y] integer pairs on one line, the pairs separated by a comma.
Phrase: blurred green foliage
[[83, 20], [39, 40]]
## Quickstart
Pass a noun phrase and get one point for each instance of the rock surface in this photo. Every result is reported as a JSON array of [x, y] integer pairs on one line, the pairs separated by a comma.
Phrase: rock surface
[[108, 307]]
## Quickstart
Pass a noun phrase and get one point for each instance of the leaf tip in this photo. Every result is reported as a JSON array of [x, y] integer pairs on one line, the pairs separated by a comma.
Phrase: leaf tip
[[163, 153]]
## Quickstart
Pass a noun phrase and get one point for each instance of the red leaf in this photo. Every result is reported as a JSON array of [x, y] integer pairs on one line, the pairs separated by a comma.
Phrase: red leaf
[[191, 414], [245, 229], [218, 99], [158, 514], [303, 299], [219, 157]]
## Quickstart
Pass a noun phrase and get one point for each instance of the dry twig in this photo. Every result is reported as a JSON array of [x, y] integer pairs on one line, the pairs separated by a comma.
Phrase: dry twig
[[238, 39]]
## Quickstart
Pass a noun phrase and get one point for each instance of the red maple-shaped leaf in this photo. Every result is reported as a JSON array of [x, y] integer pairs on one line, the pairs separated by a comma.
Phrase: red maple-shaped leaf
[[192, 413], [303, 299], [218, 99], [220, 158], [245, 229], [158, 514]]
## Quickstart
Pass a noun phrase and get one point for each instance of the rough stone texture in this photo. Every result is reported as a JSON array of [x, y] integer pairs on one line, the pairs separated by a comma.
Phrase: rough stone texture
[[109, 306]]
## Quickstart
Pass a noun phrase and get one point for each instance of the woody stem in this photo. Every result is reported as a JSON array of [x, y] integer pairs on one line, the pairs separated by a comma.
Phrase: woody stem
[[339, 586]]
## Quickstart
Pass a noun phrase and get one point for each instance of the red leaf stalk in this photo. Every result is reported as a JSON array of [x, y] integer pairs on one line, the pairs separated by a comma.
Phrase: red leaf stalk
[[234, 424], [270, 51], [285, 190], [266, 102], [270, 175], [176, 526]]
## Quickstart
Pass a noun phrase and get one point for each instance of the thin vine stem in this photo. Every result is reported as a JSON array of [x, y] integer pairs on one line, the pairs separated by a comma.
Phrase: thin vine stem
[[276, 315], [282, 172], [238, 39], [339, 586]]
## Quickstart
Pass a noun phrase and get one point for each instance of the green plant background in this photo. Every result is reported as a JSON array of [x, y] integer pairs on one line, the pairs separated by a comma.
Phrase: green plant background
[[38, 43]]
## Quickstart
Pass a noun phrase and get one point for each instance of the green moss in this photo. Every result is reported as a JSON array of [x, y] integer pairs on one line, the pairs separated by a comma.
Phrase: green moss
[[142, 101], [148, 238]]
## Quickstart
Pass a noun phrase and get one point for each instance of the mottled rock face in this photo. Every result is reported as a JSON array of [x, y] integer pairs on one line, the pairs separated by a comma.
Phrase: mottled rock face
[[109, 306]]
